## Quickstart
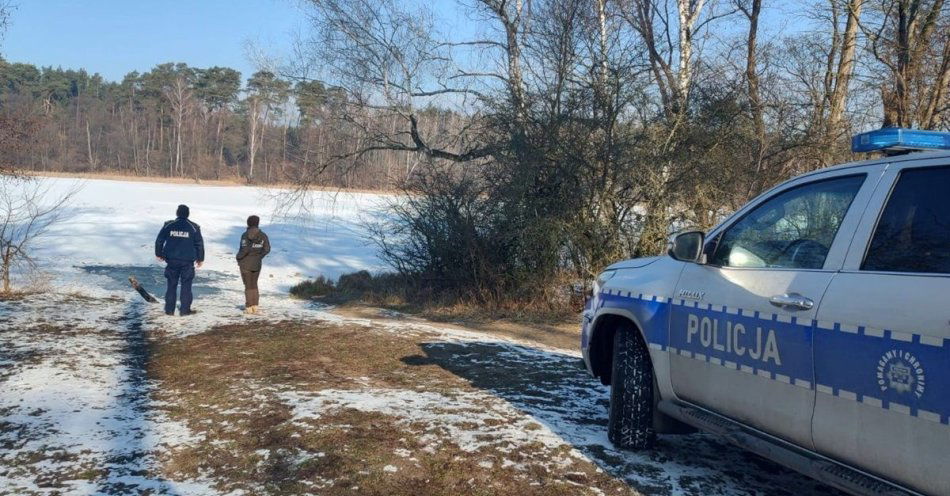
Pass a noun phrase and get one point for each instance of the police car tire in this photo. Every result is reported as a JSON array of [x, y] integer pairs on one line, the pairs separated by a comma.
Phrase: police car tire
[[630, 424]]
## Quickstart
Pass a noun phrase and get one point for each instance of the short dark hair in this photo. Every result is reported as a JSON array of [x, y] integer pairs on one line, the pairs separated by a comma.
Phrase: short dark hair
[[182, 211], [253, 221]]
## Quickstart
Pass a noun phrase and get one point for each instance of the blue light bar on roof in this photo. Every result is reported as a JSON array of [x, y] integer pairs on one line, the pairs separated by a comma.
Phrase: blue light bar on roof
[[900, 139]]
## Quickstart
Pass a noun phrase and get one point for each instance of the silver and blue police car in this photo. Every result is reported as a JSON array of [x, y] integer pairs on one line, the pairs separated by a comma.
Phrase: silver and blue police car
[[812, 326]]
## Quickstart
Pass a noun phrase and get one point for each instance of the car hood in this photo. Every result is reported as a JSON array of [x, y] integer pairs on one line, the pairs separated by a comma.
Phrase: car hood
[[633, 263]]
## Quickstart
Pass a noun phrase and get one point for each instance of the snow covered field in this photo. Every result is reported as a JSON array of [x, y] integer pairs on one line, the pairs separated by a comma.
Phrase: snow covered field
[[82, 413], [114, 223], [110, 227]]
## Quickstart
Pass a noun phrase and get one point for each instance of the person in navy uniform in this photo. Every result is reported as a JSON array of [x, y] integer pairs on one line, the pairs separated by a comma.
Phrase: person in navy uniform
[[180, 246]]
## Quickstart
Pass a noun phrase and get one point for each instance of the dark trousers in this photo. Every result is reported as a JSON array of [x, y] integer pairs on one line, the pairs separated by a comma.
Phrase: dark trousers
[[251, 295], [179, 271]]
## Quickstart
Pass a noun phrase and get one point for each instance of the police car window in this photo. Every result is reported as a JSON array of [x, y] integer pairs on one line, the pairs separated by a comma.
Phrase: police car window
[[793, 229], [913, 233]]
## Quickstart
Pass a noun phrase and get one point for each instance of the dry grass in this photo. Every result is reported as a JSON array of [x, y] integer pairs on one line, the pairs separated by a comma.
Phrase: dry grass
[[288, 353], [13, 295], [563, 334], [225, 383], [34, 286], [395, 292]]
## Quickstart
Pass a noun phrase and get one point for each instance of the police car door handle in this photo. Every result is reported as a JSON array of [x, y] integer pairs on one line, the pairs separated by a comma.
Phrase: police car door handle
[[792, 301]]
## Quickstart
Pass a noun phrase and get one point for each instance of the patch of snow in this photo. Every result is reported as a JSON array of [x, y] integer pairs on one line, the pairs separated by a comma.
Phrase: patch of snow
[[472, 420], [78, 399]]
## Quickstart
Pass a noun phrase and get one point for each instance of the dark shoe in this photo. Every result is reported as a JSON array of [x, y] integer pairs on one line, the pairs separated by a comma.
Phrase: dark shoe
[[189, 312], [169, 313]]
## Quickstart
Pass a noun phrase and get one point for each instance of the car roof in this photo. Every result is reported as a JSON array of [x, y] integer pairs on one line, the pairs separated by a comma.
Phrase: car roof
[[907, 157]]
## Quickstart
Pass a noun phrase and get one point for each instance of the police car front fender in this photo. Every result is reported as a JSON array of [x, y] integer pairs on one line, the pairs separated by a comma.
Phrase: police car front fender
[[642, 297], [599, 353], [599, 341]]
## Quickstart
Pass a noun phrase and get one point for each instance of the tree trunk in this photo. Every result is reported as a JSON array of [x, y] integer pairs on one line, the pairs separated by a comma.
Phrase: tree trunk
[[755, 99], [653, 236], [930, 115], [846, 61], [133, 130], [602, 39], [220, 161], [91, 159], [178, 166], [148, 148], [689, 11], [515, 82], [5, 269], [252, 143]]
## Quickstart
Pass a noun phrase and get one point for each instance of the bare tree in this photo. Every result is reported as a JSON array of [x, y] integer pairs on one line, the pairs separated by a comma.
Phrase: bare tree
[[670, 31], [904, 36], [838, 79], [385, 58], [511, 15], [752, 11], [6, 8], [28, 209], [671, 46], [179, 96]]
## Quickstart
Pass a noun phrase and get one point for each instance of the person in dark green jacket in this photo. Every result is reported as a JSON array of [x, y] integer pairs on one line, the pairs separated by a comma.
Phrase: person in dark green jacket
[[254, 247]]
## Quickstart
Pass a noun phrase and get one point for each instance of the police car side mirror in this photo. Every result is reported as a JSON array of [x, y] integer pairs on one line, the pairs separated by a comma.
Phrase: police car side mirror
[[687, 246]]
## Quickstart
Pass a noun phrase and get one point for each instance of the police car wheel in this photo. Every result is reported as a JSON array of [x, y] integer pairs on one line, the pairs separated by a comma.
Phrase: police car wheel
[[630, 425]]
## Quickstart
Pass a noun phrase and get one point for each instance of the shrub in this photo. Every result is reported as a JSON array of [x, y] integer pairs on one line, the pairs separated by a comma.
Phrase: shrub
[[409, 294], [356, 283], [316, 288]]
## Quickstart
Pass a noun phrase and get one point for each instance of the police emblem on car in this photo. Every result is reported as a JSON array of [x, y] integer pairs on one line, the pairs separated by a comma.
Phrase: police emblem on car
[[901, 372]]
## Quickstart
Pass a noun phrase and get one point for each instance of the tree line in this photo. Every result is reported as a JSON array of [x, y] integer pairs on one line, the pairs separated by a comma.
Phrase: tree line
[[181, 121]]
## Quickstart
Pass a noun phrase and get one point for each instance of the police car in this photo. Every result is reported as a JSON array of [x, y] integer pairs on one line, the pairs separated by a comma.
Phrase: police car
[[811, 327]]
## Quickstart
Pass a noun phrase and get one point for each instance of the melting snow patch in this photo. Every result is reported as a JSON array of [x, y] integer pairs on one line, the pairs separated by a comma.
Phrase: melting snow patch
[[471, 420], [81, 400]]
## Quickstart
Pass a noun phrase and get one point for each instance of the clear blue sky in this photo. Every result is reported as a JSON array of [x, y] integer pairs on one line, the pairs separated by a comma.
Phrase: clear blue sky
[[114, 37]]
